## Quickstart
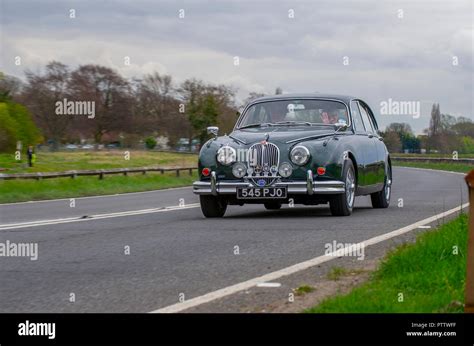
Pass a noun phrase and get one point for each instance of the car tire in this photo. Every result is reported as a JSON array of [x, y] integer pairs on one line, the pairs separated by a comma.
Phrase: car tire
[[381, 199], [342, 204], [272, 205], [212, 206]]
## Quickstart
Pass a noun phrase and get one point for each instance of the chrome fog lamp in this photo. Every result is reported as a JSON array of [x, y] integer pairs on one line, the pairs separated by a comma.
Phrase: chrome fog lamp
[[285, 170], [239, 170], [226, 155], [299, 155]]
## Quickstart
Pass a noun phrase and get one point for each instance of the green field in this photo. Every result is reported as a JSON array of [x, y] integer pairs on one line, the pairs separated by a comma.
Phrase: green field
[[429, 274], [82, 160], [29, 190]]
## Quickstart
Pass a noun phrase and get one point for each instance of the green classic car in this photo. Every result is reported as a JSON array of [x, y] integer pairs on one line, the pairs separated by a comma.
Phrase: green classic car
[[297, 149]]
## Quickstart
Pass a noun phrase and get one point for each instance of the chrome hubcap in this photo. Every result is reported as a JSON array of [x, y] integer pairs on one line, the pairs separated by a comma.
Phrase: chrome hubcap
[[388, 185], [350, 188]]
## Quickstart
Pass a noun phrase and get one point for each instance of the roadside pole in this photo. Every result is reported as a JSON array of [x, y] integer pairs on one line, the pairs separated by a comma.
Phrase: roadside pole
[[469, 301]]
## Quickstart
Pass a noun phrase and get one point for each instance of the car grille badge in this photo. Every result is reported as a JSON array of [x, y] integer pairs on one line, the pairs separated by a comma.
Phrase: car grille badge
[[261, 182]]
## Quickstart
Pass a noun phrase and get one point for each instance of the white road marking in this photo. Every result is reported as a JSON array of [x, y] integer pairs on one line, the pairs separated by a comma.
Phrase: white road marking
[[223, 292], [269, 284], [95, 217], [424, 226]]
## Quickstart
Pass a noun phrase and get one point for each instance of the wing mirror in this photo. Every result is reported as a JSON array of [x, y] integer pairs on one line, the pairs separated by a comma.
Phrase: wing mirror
[[213, 130]]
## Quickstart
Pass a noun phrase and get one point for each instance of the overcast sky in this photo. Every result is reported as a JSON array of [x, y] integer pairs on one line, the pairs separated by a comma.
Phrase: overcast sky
[[399, 50]]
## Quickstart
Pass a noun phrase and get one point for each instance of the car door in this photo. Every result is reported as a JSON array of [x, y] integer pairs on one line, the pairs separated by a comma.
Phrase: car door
[[362, 146], [375, 165], [381, 148]]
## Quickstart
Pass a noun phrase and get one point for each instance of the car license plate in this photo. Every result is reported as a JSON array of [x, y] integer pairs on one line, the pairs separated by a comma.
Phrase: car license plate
[[264, 192]]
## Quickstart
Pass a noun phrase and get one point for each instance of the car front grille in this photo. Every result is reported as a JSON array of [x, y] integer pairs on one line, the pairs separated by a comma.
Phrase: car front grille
[[263, 155], [263, 160]]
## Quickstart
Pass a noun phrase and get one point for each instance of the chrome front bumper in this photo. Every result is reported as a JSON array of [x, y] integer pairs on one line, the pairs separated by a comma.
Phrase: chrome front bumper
[[308, 187]]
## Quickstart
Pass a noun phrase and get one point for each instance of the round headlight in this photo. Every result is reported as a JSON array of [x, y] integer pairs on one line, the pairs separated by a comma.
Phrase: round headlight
[[226, 155], [299, 155], [285, 170], [239, 170]]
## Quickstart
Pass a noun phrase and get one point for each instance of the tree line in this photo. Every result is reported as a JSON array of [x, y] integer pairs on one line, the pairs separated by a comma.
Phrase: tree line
[[126, 110], [133, 112], [446, 134]]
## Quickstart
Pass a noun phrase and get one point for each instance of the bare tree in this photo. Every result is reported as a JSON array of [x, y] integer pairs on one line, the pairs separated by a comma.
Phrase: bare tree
[[111, 94], [252, 96], [10, 86], [157, 108], [40, 95]]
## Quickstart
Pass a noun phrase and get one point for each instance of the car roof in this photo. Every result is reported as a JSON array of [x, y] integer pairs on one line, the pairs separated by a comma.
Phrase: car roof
[[344, 98]]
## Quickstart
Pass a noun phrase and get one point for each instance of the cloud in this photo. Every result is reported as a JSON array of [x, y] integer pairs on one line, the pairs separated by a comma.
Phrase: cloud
[[403, 58]]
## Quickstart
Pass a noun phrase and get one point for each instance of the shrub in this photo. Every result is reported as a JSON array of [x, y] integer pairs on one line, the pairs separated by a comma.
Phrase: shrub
[[150, 142]]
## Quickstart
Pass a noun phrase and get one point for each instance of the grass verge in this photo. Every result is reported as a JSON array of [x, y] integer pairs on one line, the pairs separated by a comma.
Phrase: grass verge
[[448, 156], [29, 190], [454, 167], [302, 290], [80, 160], [430, 275]]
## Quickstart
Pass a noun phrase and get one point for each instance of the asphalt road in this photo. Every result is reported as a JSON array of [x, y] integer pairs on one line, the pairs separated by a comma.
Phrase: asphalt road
[[176, 251]]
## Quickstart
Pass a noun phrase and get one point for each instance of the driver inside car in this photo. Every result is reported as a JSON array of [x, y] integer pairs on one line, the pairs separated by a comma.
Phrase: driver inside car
[[325, 118], [330, 116]]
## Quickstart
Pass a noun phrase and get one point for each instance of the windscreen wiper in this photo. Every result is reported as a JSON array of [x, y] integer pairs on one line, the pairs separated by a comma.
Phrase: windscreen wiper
[[292, 122], [255, 125]]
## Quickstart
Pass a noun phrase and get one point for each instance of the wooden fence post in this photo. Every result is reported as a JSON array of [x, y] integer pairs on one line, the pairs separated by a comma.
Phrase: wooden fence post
[[469, 294]]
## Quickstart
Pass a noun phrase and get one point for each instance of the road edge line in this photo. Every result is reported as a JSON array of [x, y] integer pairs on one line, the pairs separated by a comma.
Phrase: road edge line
[[226, 291]]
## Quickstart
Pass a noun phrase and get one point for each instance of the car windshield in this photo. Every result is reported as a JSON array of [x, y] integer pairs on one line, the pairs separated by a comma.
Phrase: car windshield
[[294, 113]]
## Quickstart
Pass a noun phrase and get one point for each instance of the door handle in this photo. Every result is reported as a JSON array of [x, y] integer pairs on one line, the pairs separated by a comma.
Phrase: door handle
[[381, 139], [371, 135]]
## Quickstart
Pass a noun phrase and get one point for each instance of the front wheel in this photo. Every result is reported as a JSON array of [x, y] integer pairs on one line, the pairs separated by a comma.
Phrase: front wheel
[[342, 204], [381, 199], [212, 206]]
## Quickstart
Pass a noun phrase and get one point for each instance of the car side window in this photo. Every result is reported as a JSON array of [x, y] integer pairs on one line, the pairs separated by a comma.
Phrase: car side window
[[365, 118], [357, 118], [372, 119]]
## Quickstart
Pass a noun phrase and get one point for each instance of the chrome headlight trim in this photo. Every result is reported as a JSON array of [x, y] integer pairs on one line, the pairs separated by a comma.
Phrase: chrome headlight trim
[[300, 155], [226, 155]]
